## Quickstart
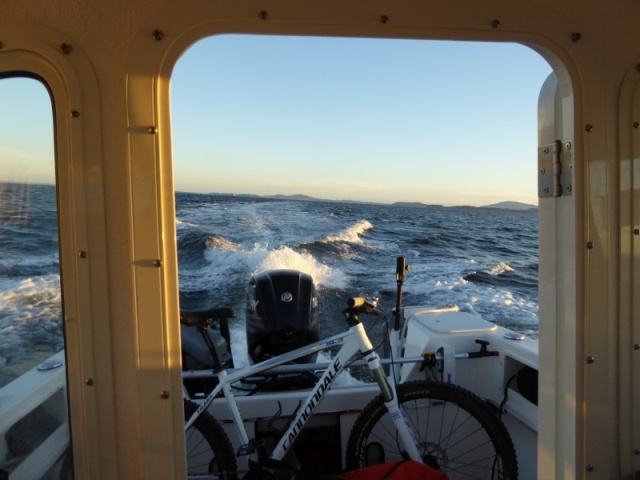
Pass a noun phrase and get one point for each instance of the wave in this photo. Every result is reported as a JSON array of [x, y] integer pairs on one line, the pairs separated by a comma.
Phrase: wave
[[351, 234], [286, 258], [30, 292], [504, 276], [183, 224], [490, 275], [228, 257], [499, 294], [500, 269], [29, 266], [30, 318], [220, 242]]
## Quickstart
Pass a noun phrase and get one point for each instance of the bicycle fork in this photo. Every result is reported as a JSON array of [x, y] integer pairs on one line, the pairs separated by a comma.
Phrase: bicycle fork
[[408, 438]]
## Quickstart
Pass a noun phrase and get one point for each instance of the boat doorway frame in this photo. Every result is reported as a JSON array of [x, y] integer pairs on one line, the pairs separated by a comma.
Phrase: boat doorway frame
[[557, 458], [117, 153], [81, 229]]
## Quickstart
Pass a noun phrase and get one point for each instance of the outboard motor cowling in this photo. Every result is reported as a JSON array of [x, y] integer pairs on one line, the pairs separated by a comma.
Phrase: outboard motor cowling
[[281, 314]]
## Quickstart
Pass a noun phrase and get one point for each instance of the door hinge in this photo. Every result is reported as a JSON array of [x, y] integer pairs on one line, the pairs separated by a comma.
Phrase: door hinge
[[555, 165]]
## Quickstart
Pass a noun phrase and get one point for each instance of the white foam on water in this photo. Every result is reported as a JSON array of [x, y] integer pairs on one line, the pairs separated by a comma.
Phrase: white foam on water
[[499, 269], [441, 281], [286, 257], [23, 299], [351, 234], [261, 258], [222, 243], [29, 308]]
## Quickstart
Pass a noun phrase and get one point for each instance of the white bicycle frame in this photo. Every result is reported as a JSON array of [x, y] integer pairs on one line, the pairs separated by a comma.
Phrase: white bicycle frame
[[353, 341]]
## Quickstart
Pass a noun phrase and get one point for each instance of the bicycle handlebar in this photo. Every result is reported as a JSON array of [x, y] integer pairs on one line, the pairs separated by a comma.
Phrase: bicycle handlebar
[[356, 302], [358, 305]]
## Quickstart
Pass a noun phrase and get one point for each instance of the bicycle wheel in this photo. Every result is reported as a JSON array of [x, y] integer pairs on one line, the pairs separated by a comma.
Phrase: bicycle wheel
[[209, 451], [457, 433]]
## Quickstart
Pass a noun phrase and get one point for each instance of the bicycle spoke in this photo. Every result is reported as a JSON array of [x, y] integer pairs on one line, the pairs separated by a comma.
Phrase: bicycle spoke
[[209, 452], [456, 432]]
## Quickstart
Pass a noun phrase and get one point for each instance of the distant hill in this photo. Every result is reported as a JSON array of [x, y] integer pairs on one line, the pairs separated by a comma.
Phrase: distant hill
[[502, 206], [297, 196], [511, 206], [416, 205], [518, 206]]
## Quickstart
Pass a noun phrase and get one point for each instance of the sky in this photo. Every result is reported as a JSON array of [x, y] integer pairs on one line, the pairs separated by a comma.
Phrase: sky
[[26, 132], [452, 123]]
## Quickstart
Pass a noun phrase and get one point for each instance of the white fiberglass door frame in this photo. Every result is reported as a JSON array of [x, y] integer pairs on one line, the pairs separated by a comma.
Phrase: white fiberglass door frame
[[559, 426], [151, 63], [34, 52]]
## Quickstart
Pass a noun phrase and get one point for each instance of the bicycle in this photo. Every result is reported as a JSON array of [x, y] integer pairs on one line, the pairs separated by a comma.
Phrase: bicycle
[[439, 424]]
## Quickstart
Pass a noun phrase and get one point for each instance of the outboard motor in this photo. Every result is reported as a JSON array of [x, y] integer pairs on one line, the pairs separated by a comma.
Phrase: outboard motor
[[281, 314]]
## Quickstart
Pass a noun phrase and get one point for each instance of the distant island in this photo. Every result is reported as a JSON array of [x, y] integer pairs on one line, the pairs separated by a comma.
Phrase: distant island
[[500, 206], [512, 206]]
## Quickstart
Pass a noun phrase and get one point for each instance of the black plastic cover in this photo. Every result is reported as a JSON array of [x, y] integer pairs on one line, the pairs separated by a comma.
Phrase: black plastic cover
[[281, 314]]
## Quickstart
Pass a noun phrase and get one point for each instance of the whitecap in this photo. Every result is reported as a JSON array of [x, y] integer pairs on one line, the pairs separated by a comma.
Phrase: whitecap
[[351, 234], [30, 314], [500, 269]]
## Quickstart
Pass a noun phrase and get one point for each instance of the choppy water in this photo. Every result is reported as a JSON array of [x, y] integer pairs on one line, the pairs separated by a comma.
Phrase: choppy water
[[484, 261]]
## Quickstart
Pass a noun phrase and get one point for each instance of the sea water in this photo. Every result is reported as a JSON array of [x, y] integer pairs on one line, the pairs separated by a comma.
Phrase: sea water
[[483, 260]]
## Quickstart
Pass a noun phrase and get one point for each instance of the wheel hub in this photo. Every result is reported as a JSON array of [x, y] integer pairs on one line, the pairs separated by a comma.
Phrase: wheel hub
[[435, 456]]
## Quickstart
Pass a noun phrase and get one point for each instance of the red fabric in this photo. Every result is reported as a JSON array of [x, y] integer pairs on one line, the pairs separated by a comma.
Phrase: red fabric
[[407, 470]]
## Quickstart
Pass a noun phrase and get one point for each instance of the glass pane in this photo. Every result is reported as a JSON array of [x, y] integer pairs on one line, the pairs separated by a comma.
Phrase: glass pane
[[33, 407]]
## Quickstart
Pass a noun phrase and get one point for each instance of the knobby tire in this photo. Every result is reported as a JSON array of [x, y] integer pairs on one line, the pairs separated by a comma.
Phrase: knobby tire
[[209, 451], [458, 433]]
